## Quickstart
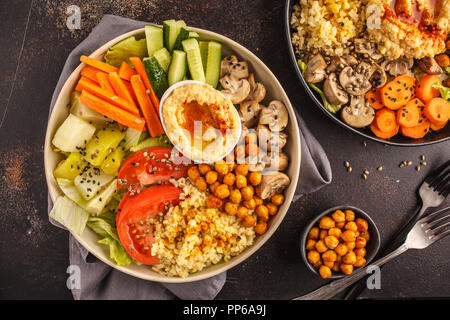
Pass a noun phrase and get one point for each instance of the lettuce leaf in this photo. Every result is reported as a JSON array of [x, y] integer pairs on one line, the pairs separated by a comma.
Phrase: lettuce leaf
[[116, 251], [333, 108], [122, 51], [69, 214], [445, 91]]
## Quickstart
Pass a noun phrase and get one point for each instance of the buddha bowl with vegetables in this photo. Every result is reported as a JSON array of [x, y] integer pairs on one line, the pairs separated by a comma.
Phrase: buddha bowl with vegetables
[[123, 190]]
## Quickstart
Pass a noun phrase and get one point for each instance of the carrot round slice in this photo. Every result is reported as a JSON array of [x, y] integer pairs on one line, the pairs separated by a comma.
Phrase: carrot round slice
[[397, 92], [386, 120], [437, 127], [381, 134], [437, 110], [419, 131], [425, 90], [409, 115], [373, 97]]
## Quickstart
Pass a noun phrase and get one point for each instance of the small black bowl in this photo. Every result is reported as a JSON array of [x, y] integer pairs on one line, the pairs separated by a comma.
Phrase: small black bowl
[[398, 140], [372, 245]]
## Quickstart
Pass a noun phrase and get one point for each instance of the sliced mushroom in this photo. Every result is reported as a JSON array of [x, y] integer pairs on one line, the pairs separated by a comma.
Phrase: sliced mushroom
[[397, 66], [236, 89], [226, 65], [429, 65], [333, 91], [254, 164], [355, 80], [366, 47], [274, 115], [269, 140], [249, 112], [336, 64], [358, 114], [272, 183], [315, 69], [232, 66], [257, 90], [277, 161], [351, 60], [379, 77]]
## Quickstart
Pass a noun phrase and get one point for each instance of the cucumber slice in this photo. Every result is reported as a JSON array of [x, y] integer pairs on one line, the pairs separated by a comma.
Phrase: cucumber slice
[[204, 52], [73, 134], [156, 75], [194, 59], [213, 63], [154, 36], [178, 66], [171, 29], [194, 35], [182, 35], [102, 144], [163, 57]]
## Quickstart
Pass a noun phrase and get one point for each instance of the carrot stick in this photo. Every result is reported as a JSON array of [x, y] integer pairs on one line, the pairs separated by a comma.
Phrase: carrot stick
[[120, 88], [125, 71], [80, 87], [130, 89], [437, 110], [111, 111], [153, 124], [90, 72], [109, 97], [140, 69], [98, 64], [103, 80]]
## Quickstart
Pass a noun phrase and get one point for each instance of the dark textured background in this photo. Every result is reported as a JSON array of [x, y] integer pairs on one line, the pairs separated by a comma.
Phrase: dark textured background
[[34, 44]]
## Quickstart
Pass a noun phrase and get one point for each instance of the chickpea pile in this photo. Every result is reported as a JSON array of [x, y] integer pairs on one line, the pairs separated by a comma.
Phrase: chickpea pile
[[338, 243], [232, 190]]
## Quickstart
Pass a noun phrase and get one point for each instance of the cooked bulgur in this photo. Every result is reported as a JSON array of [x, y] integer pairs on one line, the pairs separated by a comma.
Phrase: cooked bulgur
[[190, 236], [327, 25]]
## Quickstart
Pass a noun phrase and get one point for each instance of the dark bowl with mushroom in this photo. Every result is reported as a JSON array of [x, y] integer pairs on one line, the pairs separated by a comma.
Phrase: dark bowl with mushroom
[[355, 115]]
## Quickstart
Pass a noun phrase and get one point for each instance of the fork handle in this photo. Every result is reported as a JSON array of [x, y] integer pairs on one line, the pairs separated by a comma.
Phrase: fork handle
[[330, 290]]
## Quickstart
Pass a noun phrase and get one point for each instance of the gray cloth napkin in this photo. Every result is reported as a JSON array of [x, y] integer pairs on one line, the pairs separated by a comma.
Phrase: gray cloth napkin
[[100, 281]]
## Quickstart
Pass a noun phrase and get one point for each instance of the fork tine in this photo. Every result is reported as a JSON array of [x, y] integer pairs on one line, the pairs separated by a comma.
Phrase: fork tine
[[435, 173], [429, 218], [446, 191], [440, 236], [440, 179], [439, 228]]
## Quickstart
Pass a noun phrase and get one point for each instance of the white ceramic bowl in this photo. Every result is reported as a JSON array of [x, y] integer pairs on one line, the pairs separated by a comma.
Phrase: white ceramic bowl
[[274, 91]]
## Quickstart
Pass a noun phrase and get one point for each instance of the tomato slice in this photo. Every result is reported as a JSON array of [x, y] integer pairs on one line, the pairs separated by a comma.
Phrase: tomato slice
[[150, 166], [133, 219]]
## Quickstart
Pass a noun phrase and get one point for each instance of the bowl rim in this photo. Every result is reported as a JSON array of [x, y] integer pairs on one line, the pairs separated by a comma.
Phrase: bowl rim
[[319, 104], [374, 236], [54, 191], [167, 95]]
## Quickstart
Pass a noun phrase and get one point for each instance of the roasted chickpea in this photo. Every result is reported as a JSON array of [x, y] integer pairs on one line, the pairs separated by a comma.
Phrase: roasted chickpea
[[255, 178], [324, 271], [231, 208], [346, 268], [349, 258], [235, 196], [313, 257], [193, 173], [313, 233], [360, 242], [241, 181], [340, 225], [351, 225], [335, 232], [323, 234], [221, 167], [365, 235], [331, 242], [336, 267], [241, 169], [360, 252], [214, 186], [249, 221], [360, 261], [242, 212], [447, 44], [258, 200], [320, 246], [222, 191], [211, 177], [277, 199], [338, 216], [329, 256], [348, 236], [329, 264], [229, 179], [362, 224], [247, 193], [261, 228], [213, 202], [349, 215], [231, 165], [442, 60], [310, 244], [350, 245], [326, 223], [262, 212], [200, 183], [203, 168], [341, 249], [273, 209], [249, 204]]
